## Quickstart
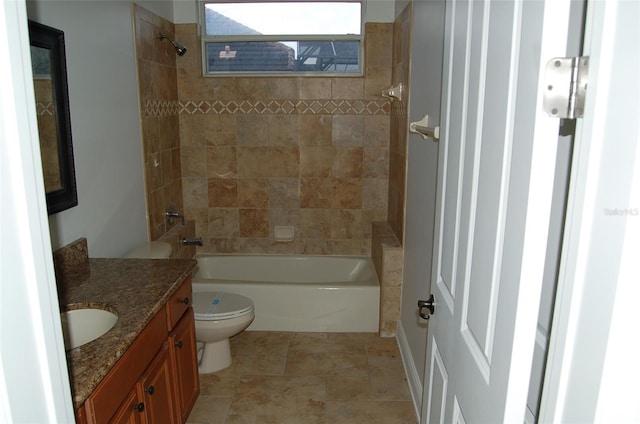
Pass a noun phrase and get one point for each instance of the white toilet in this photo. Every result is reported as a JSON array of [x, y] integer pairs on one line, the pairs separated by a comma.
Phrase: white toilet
[[219, 315]]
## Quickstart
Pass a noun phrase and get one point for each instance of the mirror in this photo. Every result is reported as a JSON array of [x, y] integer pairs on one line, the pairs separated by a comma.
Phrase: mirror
[[54, 125]]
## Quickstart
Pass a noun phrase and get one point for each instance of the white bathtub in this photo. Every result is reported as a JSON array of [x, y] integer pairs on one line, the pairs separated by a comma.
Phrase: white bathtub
[[298, 293]]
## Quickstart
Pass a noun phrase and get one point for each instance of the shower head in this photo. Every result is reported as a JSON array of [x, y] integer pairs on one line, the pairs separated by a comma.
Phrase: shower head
[[180, 49]]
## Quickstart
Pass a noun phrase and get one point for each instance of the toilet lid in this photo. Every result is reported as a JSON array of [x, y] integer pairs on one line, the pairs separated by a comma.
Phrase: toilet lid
[[215, 305], [151, 250]]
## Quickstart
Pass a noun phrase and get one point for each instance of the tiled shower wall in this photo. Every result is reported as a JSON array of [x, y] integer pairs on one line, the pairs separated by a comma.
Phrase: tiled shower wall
[[158, 90], [386, 247], [256, 153], [398, 142]]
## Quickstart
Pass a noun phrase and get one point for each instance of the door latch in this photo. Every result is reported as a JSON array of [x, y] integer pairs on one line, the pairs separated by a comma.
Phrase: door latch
[[430, 305]]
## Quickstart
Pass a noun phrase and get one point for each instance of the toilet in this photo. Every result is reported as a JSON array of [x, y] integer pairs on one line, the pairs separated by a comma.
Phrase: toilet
[[151, 250], [218, 315]]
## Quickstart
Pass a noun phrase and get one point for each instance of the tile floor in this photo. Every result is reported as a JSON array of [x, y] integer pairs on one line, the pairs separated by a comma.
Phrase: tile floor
[[307, 378]]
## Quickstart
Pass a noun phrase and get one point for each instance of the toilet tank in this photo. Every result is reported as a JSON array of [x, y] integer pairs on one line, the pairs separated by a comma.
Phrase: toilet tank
[[151, 250]]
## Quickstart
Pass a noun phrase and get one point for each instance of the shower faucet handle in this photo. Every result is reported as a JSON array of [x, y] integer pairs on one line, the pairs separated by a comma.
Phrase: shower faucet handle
[[191, 241], [172, 214]]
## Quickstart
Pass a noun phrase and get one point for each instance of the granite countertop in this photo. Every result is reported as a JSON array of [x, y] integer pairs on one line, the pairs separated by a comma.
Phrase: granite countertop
[[134, 289]]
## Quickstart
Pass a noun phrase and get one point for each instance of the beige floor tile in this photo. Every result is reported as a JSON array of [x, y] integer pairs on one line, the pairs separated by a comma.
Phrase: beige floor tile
[[209, 410], [283, 408], [321, 343], [352, 338], [269, 364], [385, 366], [218, 384], [276, 387], [348, 388], [243, 419], [327, 363], [389, 388], [380, 346], [307, 378], [250, 343], [370, 412]]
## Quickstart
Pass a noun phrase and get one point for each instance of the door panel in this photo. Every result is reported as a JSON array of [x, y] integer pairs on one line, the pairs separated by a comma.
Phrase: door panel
[[437, 387], [485, 186]]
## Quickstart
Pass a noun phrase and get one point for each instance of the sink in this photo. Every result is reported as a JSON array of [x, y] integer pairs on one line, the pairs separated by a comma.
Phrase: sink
[[80, 326]]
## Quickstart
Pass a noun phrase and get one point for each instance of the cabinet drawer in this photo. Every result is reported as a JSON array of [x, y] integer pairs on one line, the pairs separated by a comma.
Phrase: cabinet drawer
[[107, 397], [179, 302]]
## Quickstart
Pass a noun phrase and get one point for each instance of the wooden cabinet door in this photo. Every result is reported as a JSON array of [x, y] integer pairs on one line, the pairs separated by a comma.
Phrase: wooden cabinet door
[[184, 357], [131, 411], [105, 400], [156, 387]]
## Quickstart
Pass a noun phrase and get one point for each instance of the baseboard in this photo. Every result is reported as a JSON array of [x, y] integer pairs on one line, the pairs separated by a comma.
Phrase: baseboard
[[414, 380]]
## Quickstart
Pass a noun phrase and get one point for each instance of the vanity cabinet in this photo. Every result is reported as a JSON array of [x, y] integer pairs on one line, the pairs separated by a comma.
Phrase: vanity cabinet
[[182, 343], [156, 380], [127, 414], [149, 401]]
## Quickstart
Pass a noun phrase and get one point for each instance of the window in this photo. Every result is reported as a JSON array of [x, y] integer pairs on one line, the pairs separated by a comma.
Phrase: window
[[286, 37]]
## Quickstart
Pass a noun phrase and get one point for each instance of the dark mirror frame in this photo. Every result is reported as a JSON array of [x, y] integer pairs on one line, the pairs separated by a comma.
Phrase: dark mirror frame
[[53, 40]]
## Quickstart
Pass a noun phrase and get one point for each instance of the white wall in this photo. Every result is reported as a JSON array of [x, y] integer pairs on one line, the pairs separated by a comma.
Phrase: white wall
[[105, 125], [163, 8], [422, 157]]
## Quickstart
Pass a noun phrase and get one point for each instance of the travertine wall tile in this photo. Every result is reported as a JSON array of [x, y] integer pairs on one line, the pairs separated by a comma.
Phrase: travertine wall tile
[[388, 258], [399, 122], [161, 135], [246, 154]]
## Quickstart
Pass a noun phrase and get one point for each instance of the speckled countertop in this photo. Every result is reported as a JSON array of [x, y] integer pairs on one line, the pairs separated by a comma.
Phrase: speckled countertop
[[135, 289]]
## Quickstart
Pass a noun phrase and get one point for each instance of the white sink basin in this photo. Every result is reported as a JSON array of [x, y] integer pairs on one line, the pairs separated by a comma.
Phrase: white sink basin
[[80, 326]]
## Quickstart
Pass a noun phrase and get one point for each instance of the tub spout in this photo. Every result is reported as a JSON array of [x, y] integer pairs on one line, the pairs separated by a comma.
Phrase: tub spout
[[191, 241]]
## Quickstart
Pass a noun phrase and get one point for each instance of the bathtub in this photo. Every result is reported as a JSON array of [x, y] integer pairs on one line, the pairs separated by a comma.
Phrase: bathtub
[[298, 293]]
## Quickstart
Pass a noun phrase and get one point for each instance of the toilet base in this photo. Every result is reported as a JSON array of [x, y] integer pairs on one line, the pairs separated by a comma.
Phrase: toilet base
[[215, 357]]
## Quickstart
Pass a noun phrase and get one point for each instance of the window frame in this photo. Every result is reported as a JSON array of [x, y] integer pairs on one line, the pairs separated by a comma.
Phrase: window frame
[[204, 39]]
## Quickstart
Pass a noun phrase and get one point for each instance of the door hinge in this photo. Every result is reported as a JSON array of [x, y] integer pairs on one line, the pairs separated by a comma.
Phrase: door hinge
[[566, 81]]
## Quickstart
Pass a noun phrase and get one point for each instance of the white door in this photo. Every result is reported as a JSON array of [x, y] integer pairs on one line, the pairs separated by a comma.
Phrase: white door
[[495, 177]]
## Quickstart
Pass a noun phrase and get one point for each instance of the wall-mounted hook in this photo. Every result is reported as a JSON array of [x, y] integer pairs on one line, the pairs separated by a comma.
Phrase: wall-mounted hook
[[422, 128], [394, 92]]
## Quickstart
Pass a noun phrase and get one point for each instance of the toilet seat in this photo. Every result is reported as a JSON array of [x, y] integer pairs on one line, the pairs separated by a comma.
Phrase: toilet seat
[[217, 305]]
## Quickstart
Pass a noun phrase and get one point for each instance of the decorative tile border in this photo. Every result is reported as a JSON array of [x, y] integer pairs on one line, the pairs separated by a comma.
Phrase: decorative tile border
[[45, 108], [161, 108], [286, 107]]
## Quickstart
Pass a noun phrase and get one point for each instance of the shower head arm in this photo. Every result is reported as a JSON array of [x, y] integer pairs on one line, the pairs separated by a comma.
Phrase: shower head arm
[[162, 37], [179, 48]]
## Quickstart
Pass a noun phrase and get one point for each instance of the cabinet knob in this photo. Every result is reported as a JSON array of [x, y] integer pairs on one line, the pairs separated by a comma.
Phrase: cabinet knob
[[139, 407], [150, 390], [185, 300], [178, 344]]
